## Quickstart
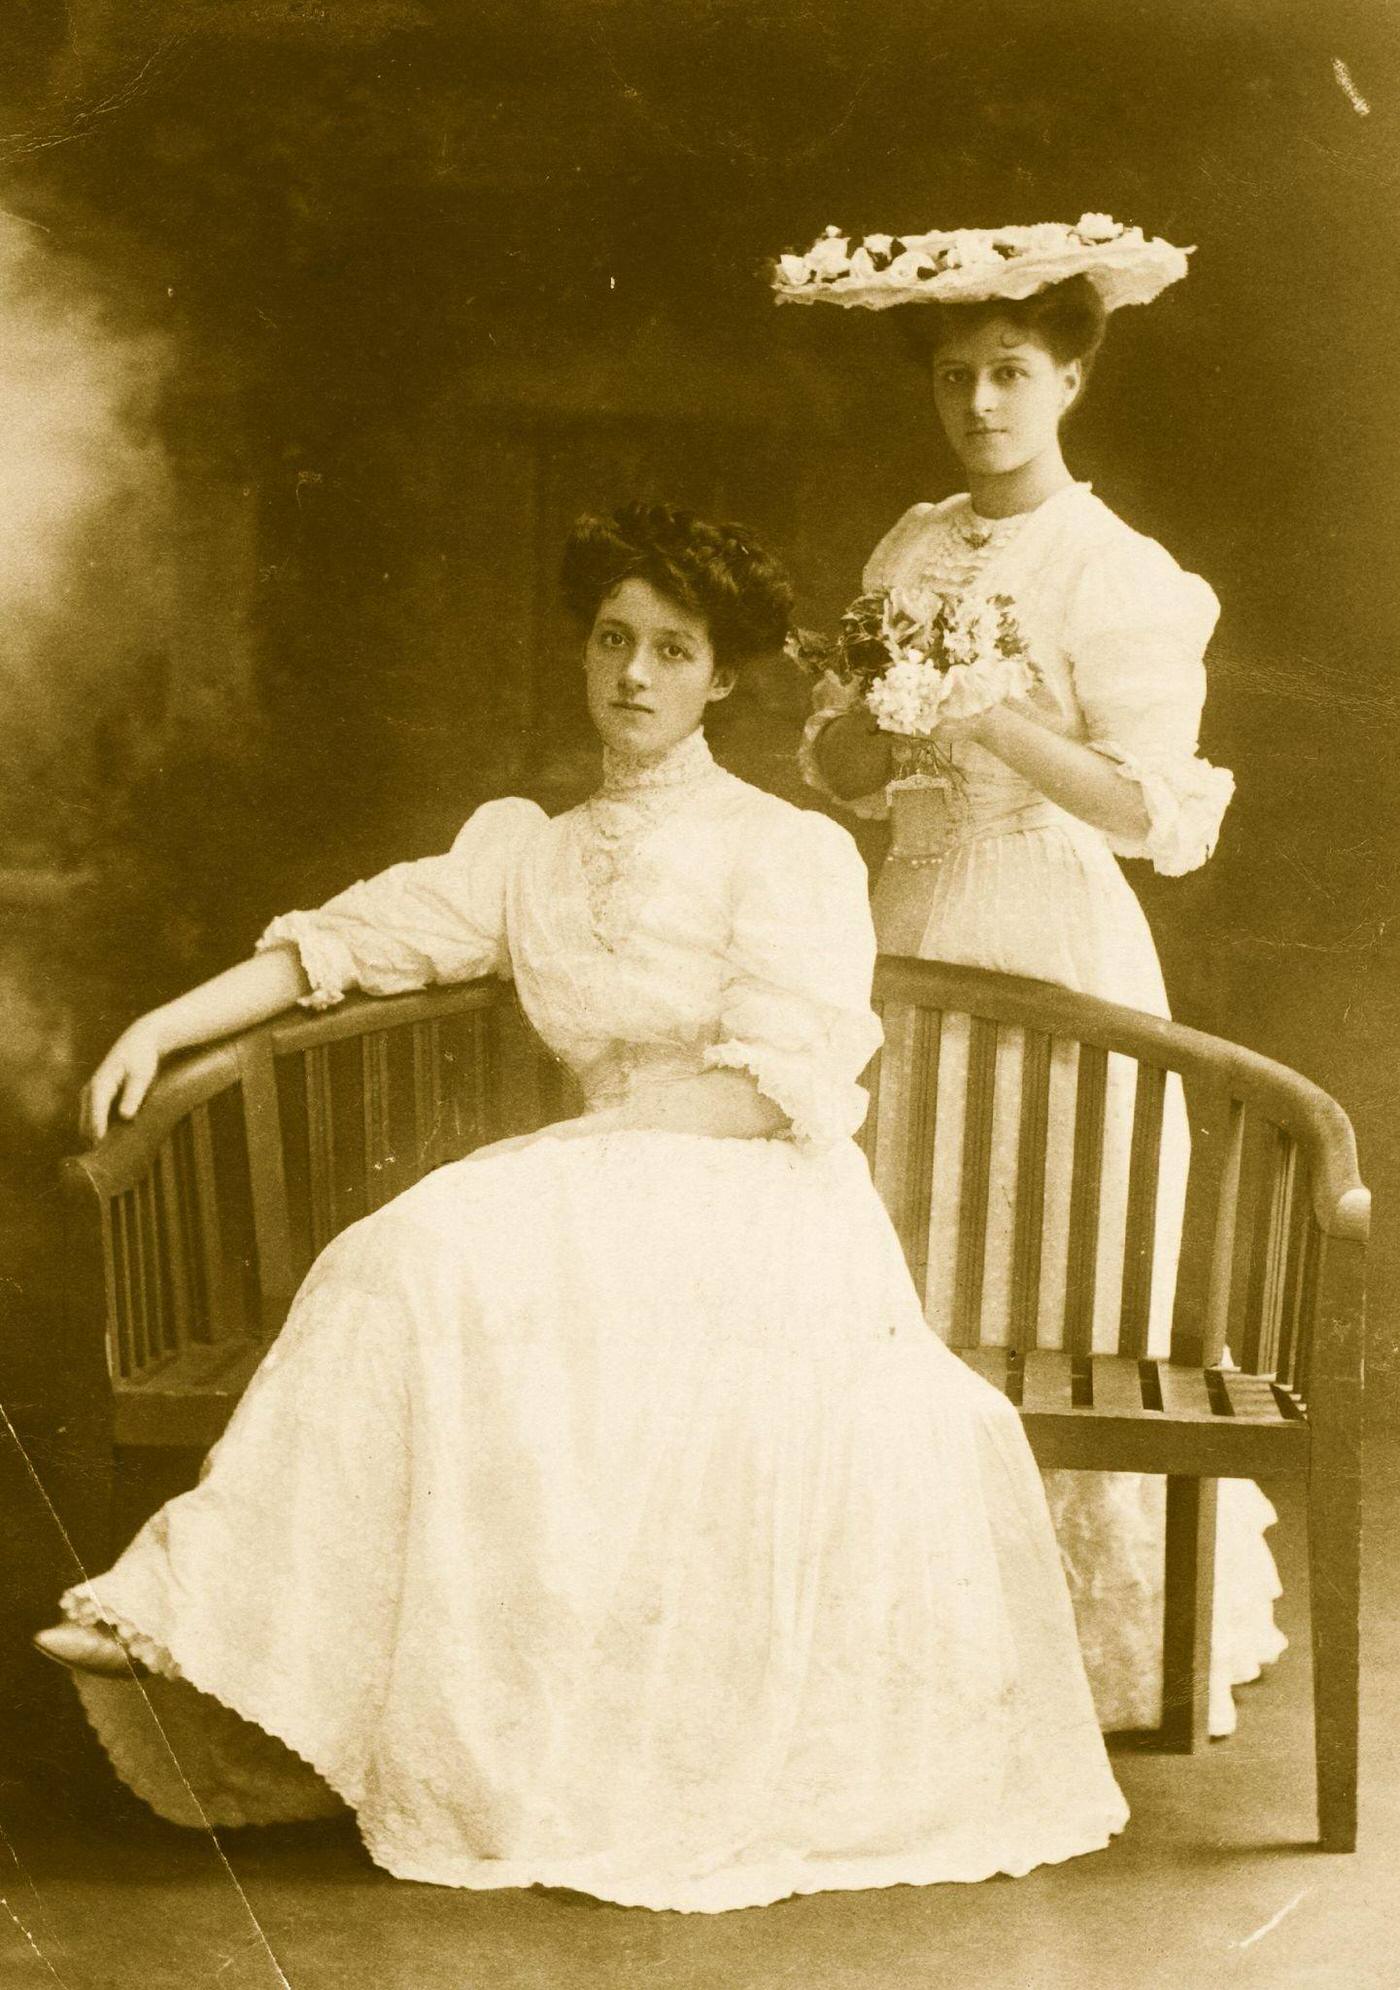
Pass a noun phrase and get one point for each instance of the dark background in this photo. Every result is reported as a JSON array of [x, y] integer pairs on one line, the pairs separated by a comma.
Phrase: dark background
[[334, 314]]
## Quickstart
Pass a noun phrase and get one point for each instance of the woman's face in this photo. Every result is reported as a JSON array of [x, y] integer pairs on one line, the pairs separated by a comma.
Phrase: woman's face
[[651, 670], [1001, 396]]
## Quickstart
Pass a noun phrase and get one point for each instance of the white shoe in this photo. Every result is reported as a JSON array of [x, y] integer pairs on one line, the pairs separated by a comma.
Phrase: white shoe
[[84, 1648]]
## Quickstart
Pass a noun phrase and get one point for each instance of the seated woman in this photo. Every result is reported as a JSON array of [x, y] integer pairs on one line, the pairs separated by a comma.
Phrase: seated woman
[[605, 1514]]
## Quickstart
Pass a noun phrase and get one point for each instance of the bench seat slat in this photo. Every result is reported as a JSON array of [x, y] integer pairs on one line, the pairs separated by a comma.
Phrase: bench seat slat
[[1117, 1386], [1047, 1381], [1251, 1397], [1184, 1392]]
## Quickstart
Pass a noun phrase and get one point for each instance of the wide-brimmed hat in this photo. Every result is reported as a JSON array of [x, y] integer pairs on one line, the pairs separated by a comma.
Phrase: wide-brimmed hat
[[973, 265]]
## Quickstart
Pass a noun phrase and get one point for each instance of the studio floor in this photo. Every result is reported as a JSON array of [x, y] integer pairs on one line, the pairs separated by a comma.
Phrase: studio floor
[[1213, 1883]]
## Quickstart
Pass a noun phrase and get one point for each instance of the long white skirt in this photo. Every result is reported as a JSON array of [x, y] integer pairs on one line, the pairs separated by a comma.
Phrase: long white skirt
[[607, 1516], [1049, 901]]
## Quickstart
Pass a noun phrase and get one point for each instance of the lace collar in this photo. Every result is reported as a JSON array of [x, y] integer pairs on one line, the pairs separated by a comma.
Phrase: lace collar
[[628, 774]]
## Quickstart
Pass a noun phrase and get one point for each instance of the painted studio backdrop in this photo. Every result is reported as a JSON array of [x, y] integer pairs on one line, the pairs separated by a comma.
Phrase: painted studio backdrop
[[319, 322]]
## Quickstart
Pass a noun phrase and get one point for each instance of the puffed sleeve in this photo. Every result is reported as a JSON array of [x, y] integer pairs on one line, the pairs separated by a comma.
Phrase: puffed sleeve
[[882, 568], [1136, 634], [438, 920], [795, 1011]]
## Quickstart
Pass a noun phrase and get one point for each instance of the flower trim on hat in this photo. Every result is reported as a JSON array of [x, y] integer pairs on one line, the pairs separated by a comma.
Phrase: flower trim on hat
[[971, 265]]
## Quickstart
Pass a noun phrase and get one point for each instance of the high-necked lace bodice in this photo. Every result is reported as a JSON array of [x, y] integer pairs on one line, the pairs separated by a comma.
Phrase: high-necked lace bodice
[[678, 920], [628, 777], [1118, 632], [637, 795]]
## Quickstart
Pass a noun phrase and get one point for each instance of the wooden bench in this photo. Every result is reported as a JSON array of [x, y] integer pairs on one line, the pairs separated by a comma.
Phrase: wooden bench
[[191, 1228]]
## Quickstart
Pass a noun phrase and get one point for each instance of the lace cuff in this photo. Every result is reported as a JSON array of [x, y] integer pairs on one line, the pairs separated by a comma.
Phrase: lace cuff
[[326, 960], [1185, 799], [832, 700], [821, 1110]]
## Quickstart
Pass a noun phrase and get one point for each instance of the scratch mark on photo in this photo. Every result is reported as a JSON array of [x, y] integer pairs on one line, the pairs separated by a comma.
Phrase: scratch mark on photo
[[234, 1881], [1353, 95], [53, 1972], [1273, 1922], [42, 1916]]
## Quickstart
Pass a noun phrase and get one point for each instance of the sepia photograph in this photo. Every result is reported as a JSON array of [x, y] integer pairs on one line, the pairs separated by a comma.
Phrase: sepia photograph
[[699, 995]]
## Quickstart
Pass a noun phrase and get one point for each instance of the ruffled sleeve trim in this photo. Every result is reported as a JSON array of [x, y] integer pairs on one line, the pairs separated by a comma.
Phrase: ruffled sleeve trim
[[326, 959], [1185, 799], [820, 1111]]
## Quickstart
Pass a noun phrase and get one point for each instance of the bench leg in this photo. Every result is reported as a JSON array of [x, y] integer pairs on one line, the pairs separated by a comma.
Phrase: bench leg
[[1334, 1577], [1187, 1606]]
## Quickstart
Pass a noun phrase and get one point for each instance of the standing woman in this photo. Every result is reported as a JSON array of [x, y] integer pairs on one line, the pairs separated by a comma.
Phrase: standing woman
[[1009, 863]]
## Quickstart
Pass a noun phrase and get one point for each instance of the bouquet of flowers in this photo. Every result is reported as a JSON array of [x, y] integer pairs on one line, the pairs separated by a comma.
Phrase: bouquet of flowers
[[919, 663]]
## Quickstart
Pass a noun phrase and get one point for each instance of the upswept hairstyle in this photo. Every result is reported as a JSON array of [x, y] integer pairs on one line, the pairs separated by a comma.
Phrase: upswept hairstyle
[[1067, 318], [719, 572]]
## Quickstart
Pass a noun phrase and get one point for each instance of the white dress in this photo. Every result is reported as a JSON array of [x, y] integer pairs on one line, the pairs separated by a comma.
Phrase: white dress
[[988, 873], [606, 1514]]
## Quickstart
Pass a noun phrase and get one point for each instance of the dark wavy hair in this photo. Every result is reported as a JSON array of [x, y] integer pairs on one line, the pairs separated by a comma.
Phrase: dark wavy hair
[[719, 572], [1067, 318]]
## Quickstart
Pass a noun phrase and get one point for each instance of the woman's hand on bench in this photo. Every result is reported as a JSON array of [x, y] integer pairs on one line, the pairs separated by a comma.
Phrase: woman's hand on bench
[[235, 1000], [123, 1078]]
